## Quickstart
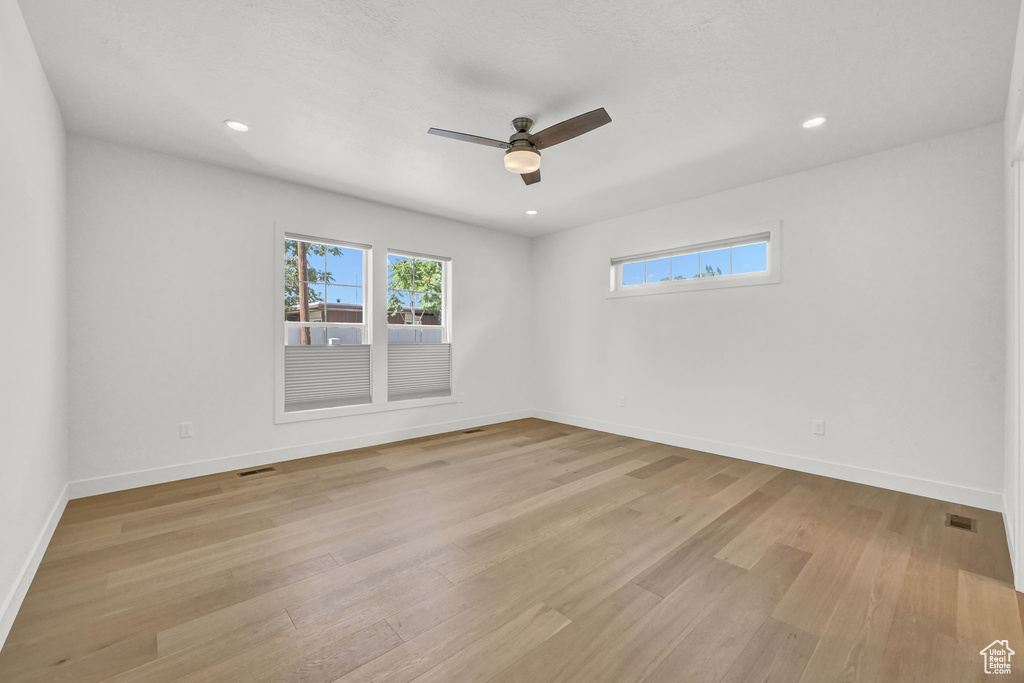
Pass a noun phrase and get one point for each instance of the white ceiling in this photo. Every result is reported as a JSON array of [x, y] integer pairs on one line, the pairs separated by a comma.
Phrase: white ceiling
[[704, 95]]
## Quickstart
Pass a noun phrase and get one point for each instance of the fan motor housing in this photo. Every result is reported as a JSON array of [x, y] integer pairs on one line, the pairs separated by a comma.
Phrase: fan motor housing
[[522, 124], [522, 156], [520, 140]]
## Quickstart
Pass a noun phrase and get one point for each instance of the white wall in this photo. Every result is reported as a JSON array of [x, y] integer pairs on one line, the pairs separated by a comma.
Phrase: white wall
[[174, 316], [1013, 146], [888, 324], [33, 349]]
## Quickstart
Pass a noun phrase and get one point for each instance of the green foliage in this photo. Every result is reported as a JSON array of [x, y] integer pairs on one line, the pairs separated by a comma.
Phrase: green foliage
[[708, 272], [293, 276], [418, 278]]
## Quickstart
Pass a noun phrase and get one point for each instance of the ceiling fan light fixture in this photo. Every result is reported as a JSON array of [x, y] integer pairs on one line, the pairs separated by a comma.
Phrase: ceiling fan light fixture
[[522, 151], [522, 160]]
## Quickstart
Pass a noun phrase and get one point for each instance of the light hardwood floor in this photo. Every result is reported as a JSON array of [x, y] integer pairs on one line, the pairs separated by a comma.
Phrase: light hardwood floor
[[529, 551]]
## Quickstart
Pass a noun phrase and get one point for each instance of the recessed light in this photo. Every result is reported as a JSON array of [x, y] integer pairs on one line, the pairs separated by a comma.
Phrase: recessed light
[[815, 122], [531, 212], [237, 126]]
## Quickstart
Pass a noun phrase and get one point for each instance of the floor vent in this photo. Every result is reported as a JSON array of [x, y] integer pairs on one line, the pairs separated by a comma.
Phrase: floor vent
[[958, 522], [472, 431], [259, 471]]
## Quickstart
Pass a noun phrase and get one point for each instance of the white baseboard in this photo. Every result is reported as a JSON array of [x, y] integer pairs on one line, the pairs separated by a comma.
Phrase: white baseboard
[[15, 596], [988, 500], [160, 475]]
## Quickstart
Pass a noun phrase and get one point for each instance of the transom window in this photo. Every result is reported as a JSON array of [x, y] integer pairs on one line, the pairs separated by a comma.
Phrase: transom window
[[721, 262], [735, 260]]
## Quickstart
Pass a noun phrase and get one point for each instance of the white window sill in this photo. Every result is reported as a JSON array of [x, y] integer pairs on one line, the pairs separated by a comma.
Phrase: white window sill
[[284, 417], [697, 284]]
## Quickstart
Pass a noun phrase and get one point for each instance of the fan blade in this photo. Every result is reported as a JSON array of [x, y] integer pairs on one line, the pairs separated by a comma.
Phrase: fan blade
[[469, 138], [567, 130], [531, 178]]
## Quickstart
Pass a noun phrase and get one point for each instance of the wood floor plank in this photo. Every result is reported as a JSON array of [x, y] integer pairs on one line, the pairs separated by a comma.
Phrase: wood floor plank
[[95, 665], [985, 613], [778, 653], [859, 628], [689, 483], [727, 626], [242, 548], [818, 590], [792, 521], [922, 639], [324, 605], [663, 577], [334, 659], [303, 655], [629, 656], [526, 551], [389, 599], [429, 649], [482, 660], [982, 552], [569, 649], [657, 467], [175, 665], [529, 576]]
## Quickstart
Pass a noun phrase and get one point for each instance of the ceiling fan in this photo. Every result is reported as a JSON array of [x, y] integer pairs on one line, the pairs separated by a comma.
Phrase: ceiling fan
[[522, 153]]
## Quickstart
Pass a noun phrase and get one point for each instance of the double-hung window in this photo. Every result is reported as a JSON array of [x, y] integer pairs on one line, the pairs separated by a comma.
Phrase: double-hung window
[[327, 353], [419, 352], [361, 329]]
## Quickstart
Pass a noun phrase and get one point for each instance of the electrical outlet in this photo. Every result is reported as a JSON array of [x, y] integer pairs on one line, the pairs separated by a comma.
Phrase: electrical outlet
[[622, 401], [185, 430], [462, 398], [818, 427]]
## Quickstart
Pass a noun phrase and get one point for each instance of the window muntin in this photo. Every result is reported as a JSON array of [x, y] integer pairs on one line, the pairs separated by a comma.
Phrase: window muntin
[[324, 293], [416, 299], [738, 257], [325, 335]]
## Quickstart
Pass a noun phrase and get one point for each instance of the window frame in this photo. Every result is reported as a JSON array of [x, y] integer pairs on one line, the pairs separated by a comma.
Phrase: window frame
[[376, 328], [735, 237]]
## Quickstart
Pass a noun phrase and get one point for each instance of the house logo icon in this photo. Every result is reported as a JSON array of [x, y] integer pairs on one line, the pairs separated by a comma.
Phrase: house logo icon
[[997, 657]]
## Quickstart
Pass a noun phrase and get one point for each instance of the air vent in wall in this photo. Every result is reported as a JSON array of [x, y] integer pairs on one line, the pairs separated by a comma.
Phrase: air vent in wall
[[958, 522], [472, 431], [259, 471]]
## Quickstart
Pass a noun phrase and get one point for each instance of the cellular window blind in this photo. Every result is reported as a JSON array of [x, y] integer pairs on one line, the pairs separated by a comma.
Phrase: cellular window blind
[[419, 371], [326, 376]]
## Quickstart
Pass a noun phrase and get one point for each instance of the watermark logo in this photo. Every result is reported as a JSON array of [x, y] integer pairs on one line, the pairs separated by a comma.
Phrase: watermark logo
[[997, 657]]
